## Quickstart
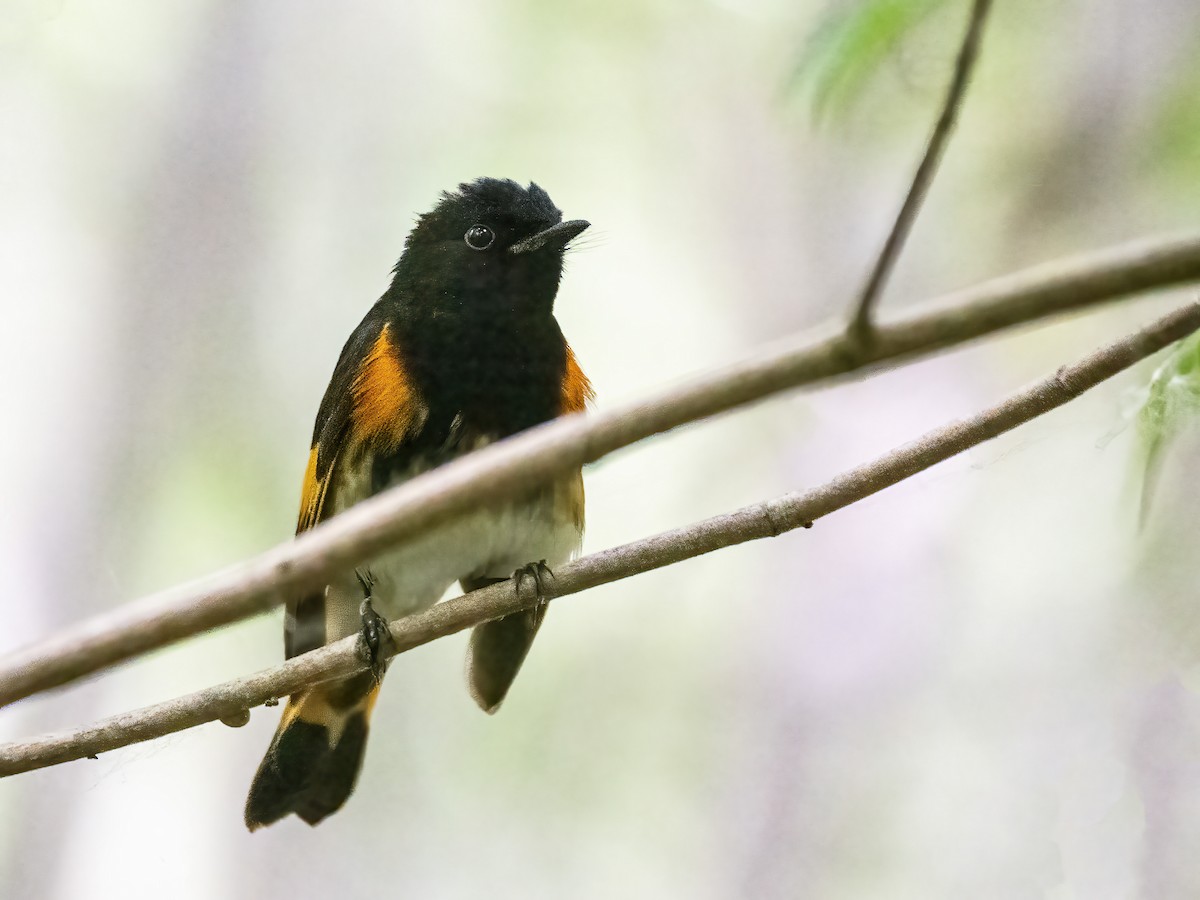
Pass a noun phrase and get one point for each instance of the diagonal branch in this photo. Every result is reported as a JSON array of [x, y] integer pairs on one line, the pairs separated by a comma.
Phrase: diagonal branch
[[231, 700], [527, 460], [860, 324]]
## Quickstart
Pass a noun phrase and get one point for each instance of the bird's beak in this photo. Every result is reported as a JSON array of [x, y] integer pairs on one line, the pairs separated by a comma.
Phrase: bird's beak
[[553, 238]]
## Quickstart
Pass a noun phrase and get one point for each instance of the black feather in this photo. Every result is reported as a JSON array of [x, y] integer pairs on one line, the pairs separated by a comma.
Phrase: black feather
[[302, 774]]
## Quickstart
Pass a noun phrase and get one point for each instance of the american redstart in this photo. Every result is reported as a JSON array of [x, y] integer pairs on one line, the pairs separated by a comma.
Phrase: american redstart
[[461, 350]]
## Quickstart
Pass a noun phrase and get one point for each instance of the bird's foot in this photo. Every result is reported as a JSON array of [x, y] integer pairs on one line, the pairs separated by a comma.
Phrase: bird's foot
[[374, 640], [540, 573]]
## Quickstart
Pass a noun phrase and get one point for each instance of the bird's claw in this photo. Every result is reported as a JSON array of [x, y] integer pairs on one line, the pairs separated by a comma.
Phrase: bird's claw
[[374, 639], [540, 573]]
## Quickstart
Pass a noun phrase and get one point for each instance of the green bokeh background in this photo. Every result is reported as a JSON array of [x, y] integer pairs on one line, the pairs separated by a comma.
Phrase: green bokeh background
[[981, 683]]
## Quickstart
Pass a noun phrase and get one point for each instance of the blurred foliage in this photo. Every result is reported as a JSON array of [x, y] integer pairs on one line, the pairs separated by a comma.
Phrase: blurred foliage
[[848, 46], [1172, 401], [1173, 145]]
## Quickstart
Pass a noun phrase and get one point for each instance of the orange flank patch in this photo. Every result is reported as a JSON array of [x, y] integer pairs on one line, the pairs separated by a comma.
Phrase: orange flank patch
[[312, 496], [576, 389], [385, 405]]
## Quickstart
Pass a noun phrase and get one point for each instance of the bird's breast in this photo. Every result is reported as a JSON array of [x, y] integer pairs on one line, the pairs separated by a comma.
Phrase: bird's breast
[[498, 375]]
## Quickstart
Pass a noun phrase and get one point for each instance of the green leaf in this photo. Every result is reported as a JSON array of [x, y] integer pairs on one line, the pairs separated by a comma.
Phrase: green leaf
[[1172, 402], [850, 42]]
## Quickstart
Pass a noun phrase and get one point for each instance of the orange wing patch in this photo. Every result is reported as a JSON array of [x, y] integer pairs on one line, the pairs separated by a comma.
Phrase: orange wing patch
[[312, 497], [383, 409], [385, 405], [576, 389]]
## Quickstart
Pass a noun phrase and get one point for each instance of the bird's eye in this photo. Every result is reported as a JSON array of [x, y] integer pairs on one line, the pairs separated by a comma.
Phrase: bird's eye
[[479, 237]]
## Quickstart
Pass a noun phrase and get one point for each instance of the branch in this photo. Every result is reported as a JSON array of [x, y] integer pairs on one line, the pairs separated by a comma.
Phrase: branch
[[512, 466], [231, 700], [860, 325]]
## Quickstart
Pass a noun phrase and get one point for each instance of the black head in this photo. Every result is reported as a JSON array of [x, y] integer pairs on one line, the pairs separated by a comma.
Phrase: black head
[[493, 250]]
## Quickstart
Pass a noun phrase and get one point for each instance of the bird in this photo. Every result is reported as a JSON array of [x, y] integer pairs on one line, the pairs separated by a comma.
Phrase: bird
[[461, 350]]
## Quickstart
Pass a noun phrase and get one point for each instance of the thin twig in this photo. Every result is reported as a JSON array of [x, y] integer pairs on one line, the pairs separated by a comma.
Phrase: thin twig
[[527, 460], [860, 324], [231, 699]]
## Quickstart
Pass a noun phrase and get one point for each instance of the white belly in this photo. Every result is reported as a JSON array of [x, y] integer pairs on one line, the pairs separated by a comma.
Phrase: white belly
[[492, 543]]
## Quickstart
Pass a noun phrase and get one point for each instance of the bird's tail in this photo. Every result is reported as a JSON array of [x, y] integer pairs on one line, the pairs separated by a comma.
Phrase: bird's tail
[[313, 761]]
